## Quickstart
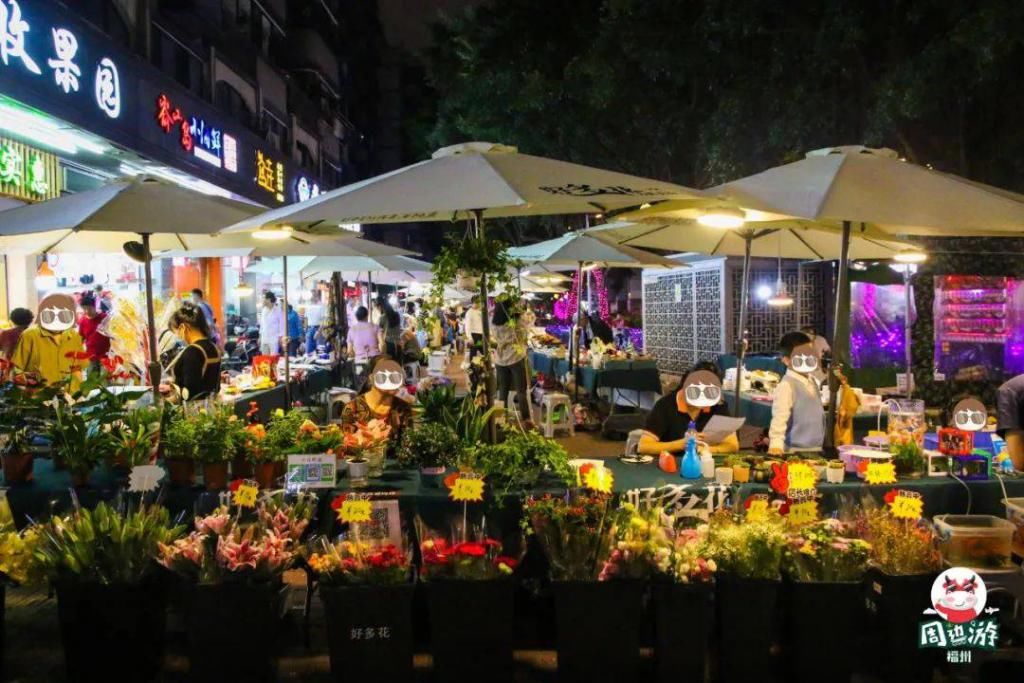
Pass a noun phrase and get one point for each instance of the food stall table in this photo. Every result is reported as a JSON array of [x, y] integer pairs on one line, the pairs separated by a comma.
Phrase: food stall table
[[758, 412], [268, 400]]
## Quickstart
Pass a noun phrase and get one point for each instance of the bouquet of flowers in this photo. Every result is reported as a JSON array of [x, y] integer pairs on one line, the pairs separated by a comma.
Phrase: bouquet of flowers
[[642, 548], [747, 549], [466, 554], [108, 544], [348, 562], [690, 561], [16, 549], [366, 436], [313, 439], [826, 551], [224, 547], [899, 546], [577, 532]]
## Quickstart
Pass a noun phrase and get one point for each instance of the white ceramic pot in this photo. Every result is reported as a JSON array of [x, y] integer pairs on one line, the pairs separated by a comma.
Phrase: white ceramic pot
[[835, 475], [820, 470]]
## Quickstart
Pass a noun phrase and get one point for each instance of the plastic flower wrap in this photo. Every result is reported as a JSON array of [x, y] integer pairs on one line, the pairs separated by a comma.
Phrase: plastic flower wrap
[[826, 551], [642, 548], [126, 326], [226, 546], [348, 562], [690, 561], [16, 549], [577, 532], [467, 555], [366, 436], [748, 549]]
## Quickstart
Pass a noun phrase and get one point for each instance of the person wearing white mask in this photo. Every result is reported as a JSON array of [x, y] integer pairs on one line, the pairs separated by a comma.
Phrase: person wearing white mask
[[798, 418]]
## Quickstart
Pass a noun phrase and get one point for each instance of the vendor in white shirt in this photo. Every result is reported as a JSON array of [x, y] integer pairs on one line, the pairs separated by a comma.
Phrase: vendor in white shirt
[[798, 418], [314, 316], [272, 328], [474, 327]]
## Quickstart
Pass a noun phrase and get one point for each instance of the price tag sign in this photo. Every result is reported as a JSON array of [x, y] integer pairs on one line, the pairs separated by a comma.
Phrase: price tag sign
[[244, 493], [145, 478], [907, 505], [802, 477], [467, 488], [355, 510], [880, 473], [802, 513], [598, 479], [757, 507]]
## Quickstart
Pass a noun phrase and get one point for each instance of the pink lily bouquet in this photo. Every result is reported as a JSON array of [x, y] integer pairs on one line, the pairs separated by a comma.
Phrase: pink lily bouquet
[[366, 437], [227, 547]]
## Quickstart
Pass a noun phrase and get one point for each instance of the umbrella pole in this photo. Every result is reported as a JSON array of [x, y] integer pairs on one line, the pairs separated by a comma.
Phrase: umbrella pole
[[577, 335], [840, 335], [287, 341], [741, 333], [908, 355], [154, 362], [478, 224]]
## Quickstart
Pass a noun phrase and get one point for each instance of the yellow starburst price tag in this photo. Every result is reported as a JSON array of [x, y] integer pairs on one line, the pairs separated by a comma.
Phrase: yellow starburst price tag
[[802, 477], [802, 513], [907, 505], [598, 479], [244, 495], [355, 510], [880, 473], [757, 509], [467, 488]]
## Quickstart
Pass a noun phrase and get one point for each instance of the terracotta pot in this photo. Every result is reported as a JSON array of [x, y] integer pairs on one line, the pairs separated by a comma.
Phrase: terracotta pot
[[279, 469], [265, 474], [241, 468], [215, 474], [18, 468], [182, 471]]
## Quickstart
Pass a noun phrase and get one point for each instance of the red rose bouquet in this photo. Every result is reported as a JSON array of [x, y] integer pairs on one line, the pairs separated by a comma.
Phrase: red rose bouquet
[[352, 562]]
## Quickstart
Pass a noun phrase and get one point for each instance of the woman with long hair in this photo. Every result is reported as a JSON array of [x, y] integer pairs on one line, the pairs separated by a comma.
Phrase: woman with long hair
[[196, 370], [390, 326], [509, 354]]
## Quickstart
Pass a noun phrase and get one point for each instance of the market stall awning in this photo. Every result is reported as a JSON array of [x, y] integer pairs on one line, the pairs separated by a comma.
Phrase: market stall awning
[[384, 270], [298, 244], [456, 181], [588, 248]]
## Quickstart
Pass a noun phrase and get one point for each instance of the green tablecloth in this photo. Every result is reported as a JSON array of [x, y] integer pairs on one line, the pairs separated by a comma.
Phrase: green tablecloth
[[269, 400], [637, 375]]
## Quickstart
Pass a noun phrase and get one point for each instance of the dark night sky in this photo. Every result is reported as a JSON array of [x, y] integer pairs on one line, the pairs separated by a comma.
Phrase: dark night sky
[[406, 23]]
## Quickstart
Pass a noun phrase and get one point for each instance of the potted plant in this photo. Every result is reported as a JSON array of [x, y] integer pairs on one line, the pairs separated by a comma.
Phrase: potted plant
[[180, 441], [22, 412], [369, 441], [748, 555], [109, 600], [136, 438], [214, 444], [907, 456], [577, 535], [825, 564], [261, 453], [80, 440], [432, 447], [904, 563], [740, 469], [367, 592], [835, 471], [471, 601], [233, 565], [518, 461]]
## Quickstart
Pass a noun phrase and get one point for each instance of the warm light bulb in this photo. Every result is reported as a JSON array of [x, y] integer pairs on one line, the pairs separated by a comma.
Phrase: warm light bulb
[[242, 289], [723, 217], [910, 256], [281, 233], [780, 299]]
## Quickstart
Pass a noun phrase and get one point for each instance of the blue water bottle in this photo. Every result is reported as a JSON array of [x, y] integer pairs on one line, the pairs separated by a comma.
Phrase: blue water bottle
[[691, 462]]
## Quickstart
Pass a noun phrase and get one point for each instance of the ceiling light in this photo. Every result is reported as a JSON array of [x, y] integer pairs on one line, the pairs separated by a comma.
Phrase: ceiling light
[[910, 256], [46, 131], [722, 217], [242, 289], [780, 299], [281, 233], [763, 292]]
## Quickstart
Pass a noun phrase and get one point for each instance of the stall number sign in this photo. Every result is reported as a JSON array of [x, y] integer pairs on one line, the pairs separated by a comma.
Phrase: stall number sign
[[28, 173], [311, 471]]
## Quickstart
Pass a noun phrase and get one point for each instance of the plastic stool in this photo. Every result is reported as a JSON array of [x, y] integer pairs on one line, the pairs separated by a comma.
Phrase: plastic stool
[[512, 405], [549, 406], [436, 363], [338, 397]]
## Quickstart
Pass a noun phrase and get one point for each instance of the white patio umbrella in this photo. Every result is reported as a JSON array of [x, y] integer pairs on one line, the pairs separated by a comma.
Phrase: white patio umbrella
[[842, 186], [585, 249], [472, 181], [674, 227], [165, 215], [292, 245]]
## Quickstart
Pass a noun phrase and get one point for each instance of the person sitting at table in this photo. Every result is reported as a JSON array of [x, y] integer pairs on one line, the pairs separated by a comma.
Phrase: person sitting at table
[[196, 370], [668, 421], [798, 418], [379, 400]]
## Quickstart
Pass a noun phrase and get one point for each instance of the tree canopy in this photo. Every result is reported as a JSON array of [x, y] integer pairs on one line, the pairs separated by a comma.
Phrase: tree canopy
[[703, 91]]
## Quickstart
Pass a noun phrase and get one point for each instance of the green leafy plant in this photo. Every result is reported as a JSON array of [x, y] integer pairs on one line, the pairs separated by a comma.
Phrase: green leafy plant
[[577, 534], [180, 437], [908, 457], [109, 544], [23, 411], [137, 436], [473, 256], [214, 434], [82, 441], [429, 444], [519, 460]]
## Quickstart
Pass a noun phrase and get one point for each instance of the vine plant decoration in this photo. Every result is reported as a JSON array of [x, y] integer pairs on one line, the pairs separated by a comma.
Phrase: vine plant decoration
[[474, 257]]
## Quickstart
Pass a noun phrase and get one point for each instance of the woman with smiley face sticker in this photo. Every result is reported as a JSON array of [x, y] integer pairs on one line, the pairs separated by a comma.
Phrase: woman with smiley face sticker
[[698, 397], [50, 349], [798, 418], [379, 400]]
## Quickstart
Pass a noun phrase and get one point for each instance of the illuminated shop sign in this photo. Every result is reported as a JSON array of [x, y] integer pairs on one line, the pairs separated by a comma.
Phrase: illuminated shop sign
[[306, 189], [204, 140], [270, 175], [28, 173], [35, 48]]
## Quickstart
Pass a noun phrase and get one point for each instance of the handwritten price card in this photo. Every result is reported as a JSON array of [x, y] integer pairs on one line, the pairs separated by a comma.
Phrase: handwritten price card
[[802, 513], [355, 510], [907, 505], [598, 479], [880, 473], [244, 495], [802, 477], [467, 488], [757, 507]]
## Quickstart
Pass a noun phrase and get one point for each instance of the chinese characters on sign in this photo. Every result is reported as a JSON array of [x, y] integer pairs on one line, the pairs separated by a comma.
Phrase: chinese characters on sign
[[27, 173], [108, 88], [370, 633], [65, 71], [170, 117], [12, 36], [207, 140], [270, 175]]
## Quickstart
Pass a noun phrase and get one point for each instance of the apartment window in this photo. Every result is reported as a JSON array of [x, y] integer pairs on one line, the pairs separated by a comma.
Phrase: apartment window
[[231, 101], [276, 132], [176, 60]]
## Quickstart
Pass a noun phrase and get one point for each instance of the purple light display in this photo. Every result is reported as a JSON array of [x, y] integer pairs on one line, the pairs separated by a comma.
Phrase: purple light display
[[877, 319]]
